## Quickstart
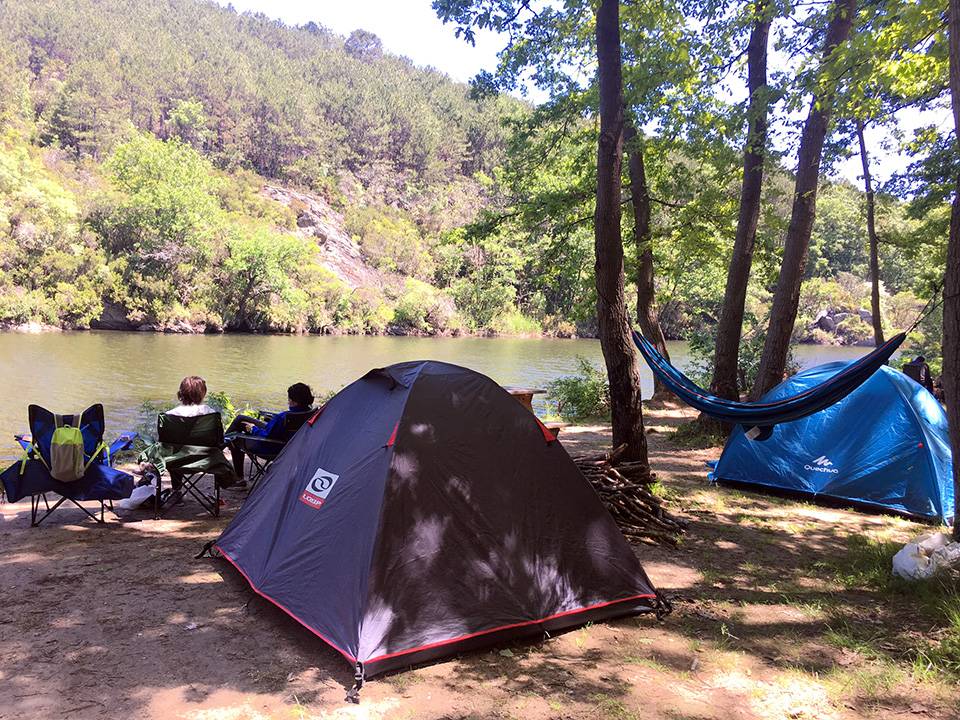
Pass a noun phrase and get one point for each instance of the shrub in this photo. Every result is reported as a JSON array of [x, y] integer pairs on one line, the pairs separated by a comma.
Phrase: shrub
[[423, 308], [902, 309], [19, 306], [584, 395], [514, 322], [390, 240], [364, 311], [855, 331], [558, 327], [748, 359]]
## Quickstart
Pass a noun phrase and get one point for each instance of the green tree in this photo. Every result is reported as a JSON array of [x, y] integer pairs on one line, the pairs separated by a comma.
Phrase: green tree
[[784, 311], [254, 277], [163, 222]]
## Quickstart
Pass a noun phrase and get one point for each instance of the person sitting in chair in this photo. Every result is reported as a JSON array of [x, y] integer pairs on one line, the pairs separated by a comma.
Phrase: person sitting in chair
[[192, 393], [299, 399]]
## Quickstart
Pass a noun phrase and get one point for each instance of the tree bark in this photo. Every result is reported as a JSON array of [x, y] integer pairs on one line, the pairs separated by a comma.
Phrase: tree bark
[[951, 280], [872, 235], [642, 237], [786, 299], [613, 318], [730, 327]]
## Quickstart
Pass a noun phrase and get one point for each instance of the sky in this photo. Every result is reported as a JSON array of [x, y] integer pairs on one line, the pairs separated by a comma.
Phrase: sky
[[406, 27], [412, 29]]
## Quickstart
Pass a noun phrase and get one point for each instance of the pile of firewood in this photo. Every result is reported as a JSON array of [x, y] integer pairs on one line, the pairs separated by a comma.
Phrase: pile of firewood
[[624, 488]]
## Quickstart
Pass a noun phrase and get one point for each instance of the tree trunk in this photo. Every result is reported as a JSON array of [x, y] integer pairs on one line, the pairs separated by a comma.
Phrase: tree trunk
[[642, 237], [783, 314], [951, 281], [612, 315], [730, 327], [872, 235]]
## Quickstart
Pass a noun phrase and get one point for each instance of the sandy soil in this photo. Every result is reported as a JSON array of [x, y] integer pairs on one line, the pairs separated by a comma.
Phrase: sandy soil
[[120, 621]]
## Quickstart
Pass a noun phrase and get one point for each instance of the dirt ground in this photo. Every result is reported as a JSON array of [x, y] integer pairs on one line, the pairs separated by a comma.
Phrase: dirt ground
[[770, 621]]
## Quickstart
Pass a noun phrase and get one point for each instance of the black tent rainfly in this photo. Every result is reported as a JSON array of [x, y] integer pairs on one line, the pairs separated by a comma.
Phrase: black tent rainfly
[[424, 512]]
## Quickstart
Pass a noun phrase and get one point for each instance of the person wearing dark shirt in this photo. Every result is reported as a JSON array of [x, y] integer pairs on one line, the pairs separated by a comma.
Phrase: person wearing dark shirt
[[299, 399], [918, 370]]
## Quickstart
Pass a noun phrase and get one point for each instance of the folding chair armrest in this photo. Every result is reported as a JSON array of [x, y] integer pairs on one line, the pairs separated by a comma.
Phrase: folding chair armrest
[[123, 441], [244, 438]]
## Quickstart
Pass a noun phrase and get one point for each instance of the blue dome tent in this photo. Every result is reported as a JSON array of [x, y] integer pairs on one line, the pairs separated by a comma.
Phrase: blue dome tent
[[884, 446]]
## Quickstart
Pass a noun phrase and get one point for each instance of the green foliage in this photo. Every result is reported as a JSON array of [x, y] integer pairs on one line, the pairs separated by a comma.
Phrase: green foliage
[[189, 123], [422, 308], [748, 361], [249, 91], [136, 141], [514, 322], [581, 396], [254, 278], [390, 240], [223, 403], [481, 274], [51, 270]]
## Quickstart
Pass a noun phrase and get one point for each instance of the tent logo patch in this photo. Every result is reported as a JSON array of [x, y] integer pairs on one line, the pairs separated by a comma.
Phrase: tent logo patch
[[822, 464], [319, 487]]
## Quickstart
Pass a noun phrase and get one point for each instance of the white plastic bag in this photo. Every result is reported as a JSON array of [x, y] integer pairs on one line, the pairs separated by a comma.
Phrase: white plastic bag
[[139, 496], [925, 556]]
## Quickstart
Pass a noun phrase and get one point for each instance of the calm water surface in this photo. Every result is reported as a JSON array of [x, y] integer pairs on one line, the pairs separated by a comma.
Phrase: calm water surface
[[69, 371]]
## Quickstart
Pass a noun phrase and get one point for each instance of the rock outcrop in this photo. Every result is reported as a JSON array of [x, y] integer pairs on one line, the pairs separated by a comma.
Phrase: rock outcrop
[[316, 219], [841, 327], [113, 317]]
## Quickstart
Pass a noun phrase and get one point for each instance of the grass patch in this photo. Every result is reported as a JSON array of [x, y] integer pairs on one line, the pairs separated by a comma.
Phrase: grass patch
[[402, 681], [648, 662], [943, 656], [612, 709], [871, 682], [696, 435], [866, 564]]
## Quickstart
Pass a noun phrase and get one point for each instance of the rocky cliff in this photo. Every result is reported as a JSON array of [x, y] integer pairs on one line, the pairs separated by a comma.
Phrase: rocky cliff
[[317, 220]]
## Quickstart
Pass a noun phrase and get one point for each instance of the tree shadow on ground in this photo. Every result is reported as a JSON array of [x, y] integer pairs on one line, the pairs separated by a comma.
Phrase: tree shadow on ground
[[126, 608]]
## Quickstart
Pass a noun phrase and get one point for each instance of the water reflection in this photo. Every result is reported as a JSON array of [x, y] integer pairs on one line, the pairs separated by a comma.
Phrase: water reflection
[[68, 371]]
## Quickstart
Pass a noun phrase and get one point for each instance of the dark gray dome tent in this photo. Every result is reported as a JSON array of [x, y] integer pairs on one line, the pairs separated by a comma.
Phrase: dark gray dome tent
[[424, 512]]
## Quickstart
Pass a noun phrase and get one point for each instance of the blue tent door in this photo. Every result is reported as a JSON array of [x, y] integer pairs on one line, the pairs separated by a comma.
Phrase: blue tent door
[[885, 445]]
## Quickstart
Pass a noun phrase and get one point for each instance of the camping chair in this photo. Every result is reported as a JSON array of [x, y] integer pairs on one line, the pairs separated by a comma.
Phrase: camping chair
[[30, 476], [189, 449], [263, 450], [912, 372]]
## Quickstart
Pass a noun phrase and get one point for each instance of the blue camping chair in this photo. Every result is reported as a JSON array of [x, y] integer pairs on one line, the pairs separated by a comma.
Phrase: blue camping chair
[[30, 476], [264, 449]]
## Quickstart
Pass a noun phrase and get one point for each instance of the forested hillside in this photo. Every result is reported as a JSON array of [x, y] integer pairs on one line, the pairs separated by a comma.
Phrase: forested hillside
[[137, 136], [171, 164]]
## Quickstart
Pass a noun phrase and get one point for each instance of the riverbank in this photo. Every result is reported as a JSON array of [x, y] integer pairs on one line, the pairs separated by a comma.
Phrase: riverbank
[[780, 613], [33, 328]]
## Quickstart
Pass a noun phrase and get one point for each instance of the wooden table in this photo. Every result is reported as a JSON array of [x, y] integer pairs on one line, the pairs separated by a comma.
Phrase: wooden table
[[524, 395]]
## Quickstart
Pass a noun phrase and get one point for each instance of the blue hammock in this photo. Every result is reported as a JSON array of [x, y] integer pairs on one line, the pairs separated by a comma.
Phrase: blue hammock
[[758, 418]]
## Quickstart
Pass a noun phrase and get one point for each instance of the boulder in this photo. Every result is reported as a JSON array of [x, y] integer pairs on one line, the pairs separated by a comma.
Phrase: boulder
[[826, 323], [865, 315]]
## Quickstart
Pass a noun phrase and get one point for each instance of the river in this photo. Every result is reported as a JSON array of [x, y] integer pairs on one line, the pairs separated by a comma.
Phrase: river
[[69, 371]]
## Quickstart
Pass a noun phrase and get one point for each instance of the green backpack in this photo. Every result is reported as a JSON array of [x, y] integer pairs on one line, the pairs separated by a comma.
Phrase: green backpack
[[67, 462]]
